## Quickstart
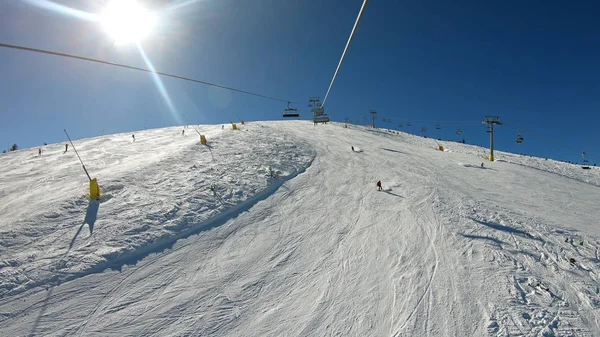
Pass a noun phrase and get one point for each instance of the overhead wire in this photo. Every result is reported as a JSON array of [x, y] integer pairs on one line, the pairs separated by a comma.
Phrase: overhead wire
[[360, 13], [139, 69], [545, 139], [436, 121]]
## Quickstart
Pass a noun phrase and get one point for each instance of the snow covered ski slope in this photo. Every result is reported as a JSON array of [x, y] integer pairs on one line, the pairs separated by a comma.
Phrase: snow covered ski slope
[[447, 249]]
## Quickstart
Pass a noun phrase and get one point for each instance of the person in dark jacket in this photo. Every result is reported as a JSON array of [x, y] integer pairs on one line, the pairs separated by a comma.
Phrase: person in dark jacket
[[379, 185]]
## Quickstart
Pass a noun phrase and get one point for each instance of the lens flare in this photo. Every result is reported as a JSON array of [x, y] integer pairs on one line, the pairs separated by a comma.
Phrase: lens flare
[[160, 86], [64, 10]]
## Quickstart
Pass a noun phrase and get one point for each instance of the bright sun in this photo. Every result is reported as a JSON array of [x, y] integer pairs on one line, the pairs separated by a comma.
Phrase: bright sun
[[126, 21]]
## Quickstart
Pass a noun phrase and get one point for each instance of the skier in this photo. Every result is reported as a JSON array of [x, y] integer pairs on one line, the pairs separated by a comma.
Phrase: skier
[[66, 147], [133, 136], [183, 132], [481, 165], [352, 148], [222, 127], [40, 152], [379, 185]]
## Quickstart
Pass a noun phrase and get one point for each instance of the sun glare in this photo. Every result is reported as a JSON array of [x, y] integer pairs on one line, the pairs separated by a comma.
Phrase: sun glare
[[126, 21]]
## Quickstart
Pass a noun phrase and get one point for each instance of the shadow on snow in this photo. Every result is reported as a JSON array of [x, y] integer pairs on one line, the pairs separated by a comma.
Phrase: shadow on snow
[[390, 150], [506, 229], [133, 257], [392, 193], [90, 219], [478, 237]]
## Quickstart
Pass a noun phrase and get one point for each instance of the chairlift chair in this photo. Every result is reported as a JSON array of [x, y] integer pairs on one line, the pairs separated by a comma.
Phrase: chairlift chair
[[585, 165], [519, 137], [458, 132], [437, 126], [408, 124], [322, 118], [290, 112], [319, 115], [424, 129]]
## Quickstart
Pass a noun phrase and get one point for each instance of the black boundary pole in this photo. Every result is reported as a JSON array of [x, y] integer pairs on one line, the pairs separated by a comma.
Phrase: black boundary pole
[[81, 161]]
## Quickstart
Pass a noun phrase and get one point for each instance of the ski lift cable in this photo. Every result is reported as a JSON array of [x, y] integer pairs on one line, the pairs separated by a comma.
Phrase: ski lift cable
[[345, 49], [478, 122], [140, 69]]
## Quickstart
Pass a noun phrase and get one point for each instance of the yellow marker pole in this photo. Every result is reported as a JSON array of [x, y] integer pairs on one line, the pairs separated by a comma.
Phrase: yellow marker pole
[[94, 188]]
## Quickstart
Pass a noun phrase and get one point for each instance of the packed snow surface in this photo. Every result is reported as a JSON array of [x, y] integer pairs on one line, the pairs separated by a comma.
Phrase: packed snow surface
[[277, 229]]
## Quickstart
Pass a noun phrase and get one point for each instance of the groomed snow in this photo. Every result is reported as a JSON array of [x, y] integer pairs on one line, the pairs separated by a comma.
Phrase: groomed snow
[[295, 240]]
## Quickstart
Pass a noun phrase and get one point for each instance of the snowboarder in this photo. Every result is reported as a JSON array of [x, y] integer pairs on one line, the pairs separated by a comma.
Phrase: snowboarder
[[66, 147], [133, 136], [352, 148], [379, 185]]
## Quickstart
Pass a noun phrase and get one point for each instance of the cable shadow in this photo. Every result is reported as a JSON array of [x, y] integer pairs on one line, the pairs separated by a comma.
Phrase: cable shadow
[[390, 150], [506, 229], [478, 237], [91, 215]]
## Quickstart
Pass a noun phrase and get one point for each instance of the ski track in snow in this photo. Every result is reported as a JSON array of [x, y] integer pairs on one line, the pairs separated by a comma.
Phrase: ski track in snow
[[447, 249]]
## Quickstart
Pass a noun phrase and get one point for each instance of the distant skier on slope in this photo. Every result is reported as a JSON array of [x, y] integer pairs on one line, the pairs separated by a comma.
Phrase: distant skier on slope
[[352, 148], [379, 185], [66, 147], [183, 132], [40, 152], [133, 136]]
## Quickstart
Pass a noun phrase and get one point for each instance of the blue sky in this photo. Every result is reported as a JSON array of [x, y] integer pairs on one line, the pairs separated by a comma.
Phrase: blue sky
[[536, 64]]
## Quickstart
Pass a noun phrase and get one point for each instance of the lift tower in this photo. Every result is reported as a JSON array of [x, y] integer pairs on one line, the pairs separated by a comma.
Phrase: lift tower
[[373, 112], [490, 121]]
